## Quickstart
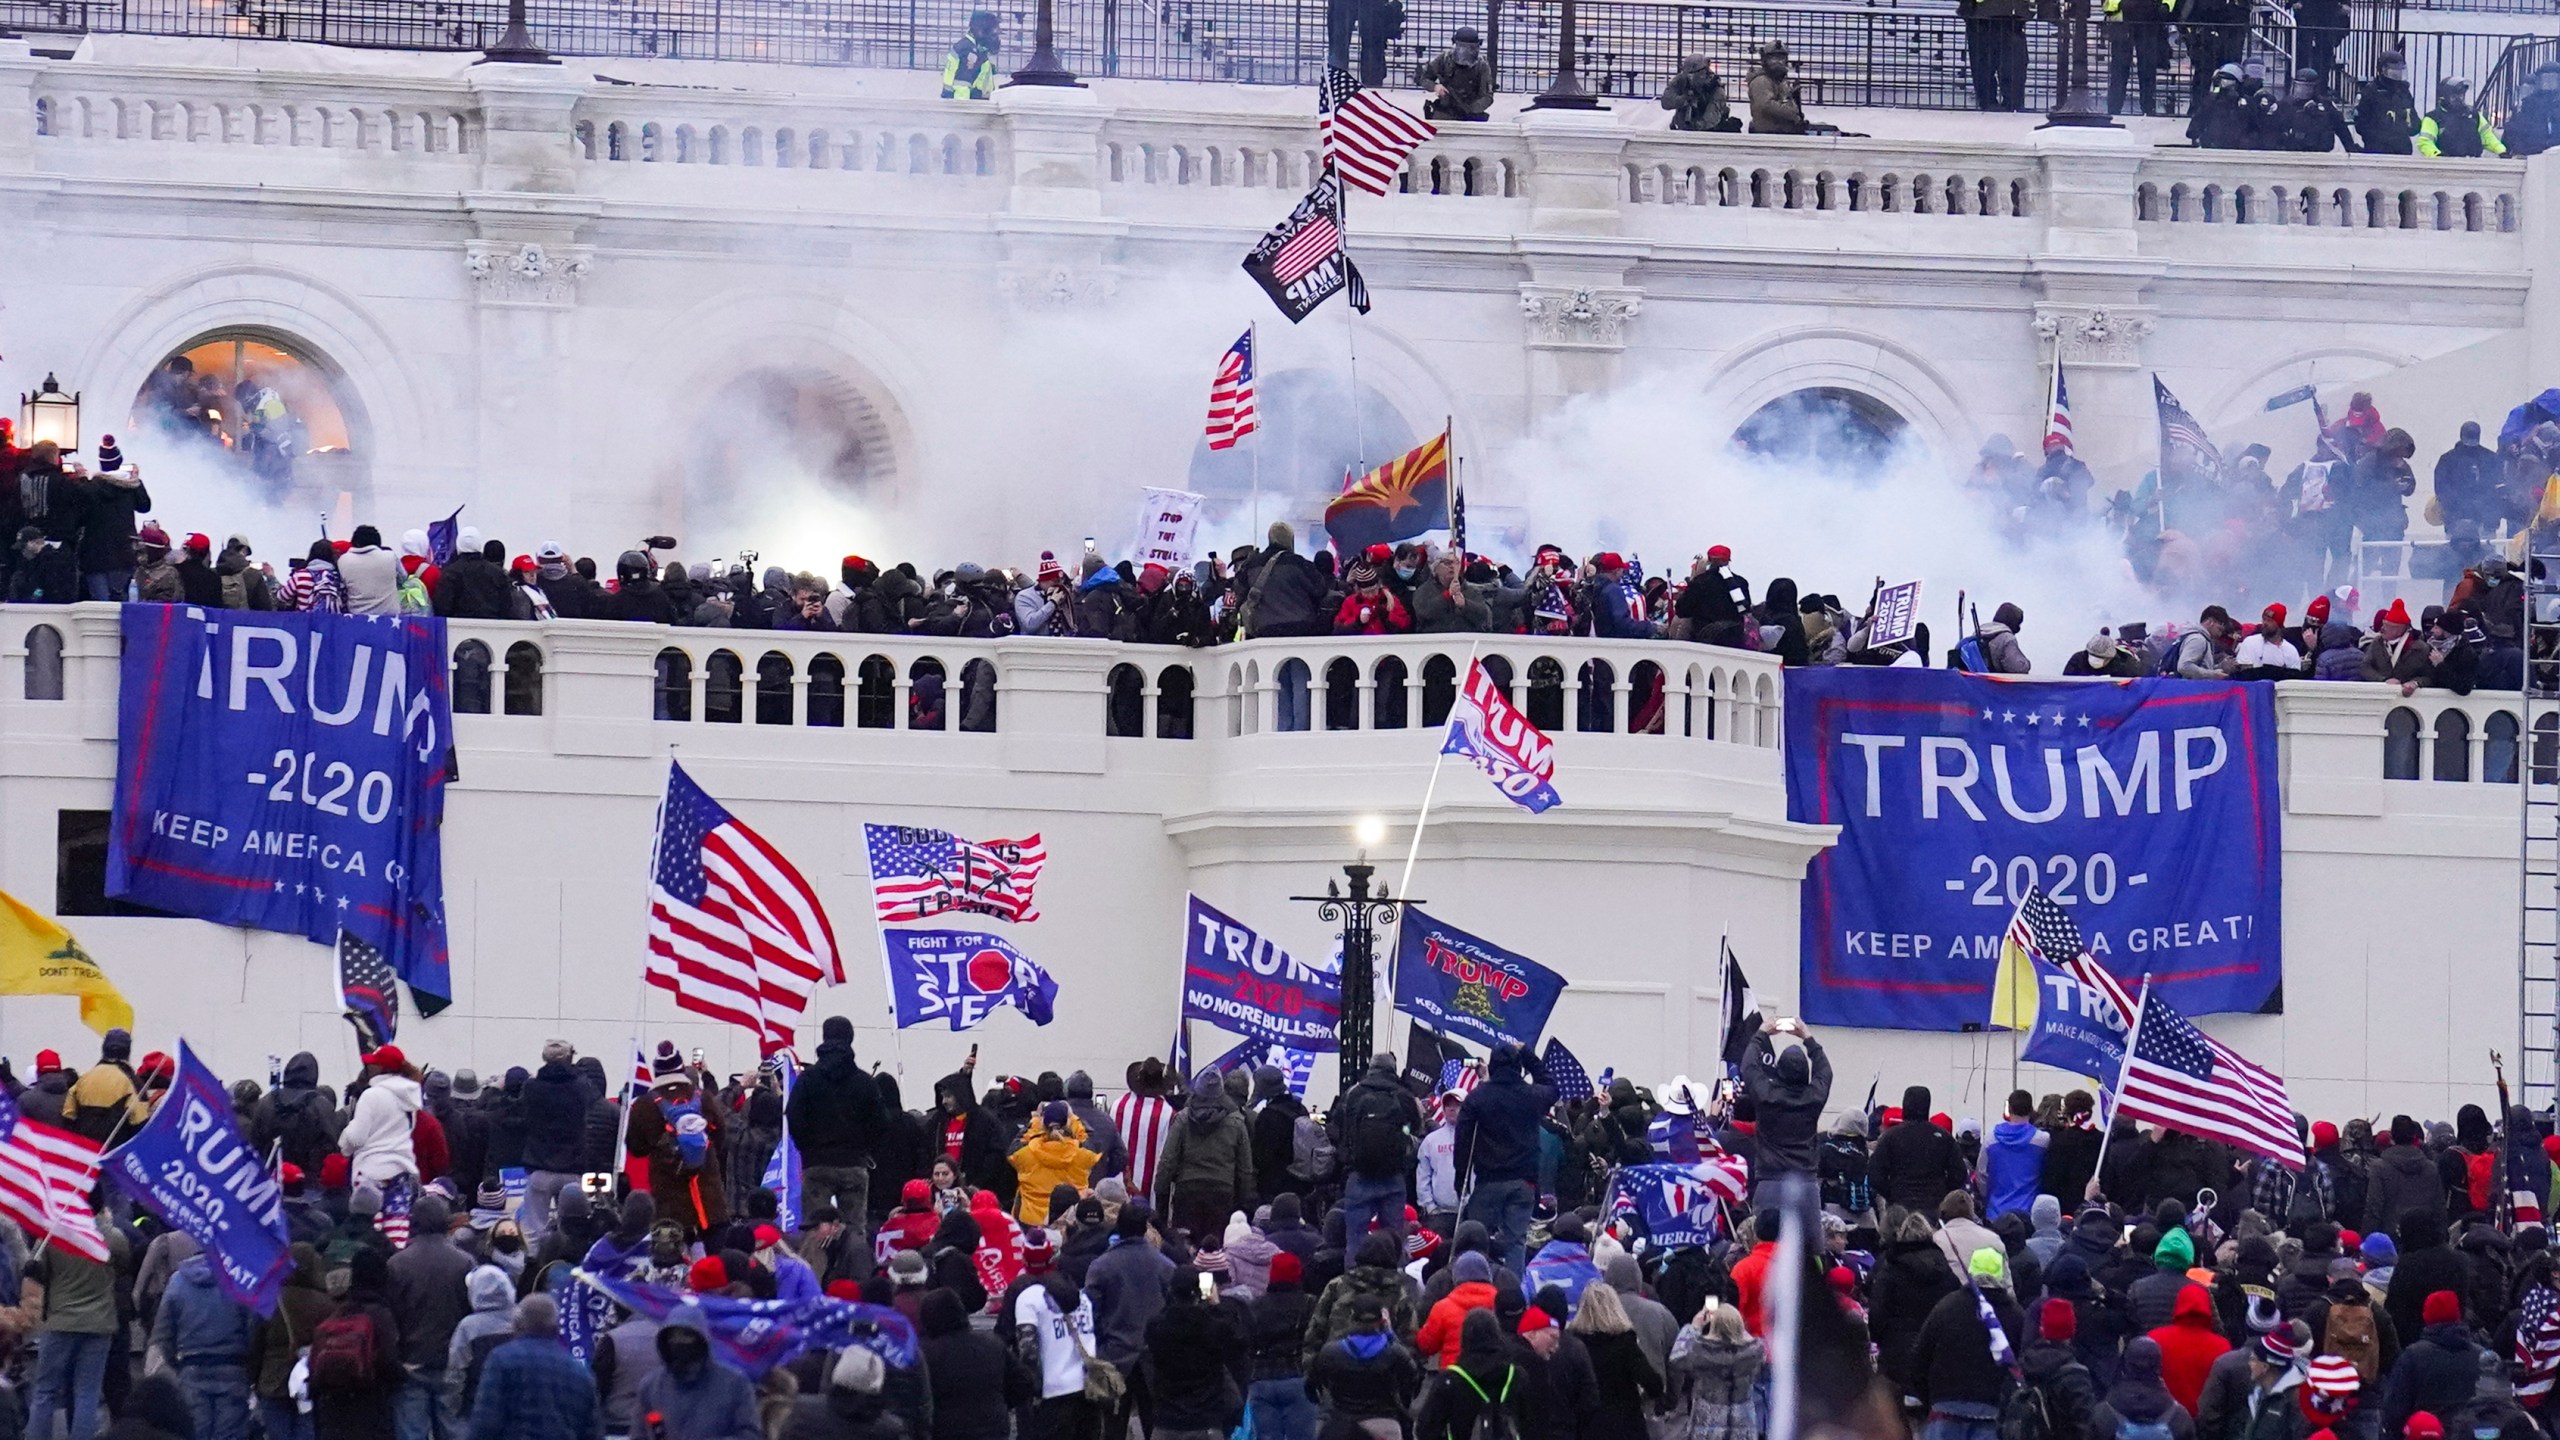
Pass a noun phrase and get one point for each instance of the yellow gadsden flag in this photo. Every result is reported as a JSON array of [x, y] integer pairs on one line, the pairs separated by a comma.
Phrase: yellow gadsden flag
[[39, 957]]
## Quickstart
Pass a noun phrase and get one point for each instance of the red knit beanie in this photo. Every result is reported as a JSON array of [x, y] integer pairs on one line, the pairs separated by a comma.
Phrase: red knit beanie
[[708, 1274], [2443, 1307], [2058, 1322]]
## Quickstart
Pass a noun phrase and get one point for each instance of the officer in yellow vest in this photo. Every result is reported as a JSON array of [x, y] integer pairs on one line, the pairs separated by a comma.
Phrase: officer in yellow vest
[[2137, 45], [969, 71]]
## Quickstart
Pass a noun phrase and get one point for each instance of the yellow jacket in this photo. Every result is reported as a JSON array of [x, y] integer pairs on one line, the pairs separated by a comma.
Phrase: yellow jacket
[[99, 1092], [1045, 1162]]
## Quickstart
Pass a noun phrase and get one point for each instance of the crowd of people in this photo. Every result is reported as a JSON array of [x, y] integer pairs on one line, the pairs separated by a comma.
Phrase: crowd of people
[[1202, 1256]]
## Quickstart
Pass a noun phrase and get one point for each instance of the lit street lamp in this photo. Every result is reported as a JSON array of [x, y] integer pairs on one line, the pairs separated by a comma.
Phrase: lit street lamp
[[51, 415]]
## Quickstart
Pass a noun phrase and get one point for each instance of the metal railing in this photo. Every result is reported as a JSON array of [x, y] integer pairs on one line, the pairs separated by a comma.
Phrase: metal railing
[[1627, 49]]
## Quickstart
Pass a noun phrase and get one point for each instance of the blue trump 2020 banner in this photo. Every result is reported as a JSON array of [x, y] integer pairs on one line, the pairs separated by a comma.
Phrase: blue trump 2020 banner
[[190, 1166], [1460, 984], [286, 772], [1241, 981], [960, 977], [2148, 807]]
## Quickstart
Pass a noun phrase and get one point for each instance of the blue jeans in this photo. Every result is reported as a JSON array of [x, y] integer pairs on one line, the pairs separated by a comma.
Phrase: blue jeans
[[283, 1420], [1505, 1207], [107, 584], [70, 1370], [1956, 1420], [217, 1400], [418, 1407], [1292, 684], [1281, 1410], [1370, 1204]]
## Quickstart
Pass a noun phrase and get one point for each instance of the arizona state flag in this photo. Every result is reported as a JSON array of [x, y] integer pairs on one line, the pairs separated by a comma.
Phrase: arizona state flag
[[1405, 497]]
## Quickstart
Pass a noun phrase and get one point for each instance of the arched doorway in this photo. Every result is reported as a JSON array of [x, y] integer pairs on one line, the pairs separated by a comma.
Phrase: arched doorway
[[783, 457], [252, 407], [1837, 431]]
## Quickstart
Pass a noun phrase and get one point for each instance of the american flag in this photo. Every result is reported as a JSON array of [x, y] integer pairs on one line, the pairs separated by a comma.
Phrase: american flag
[[1231, 395], [920, 873], [1145, 1122], [1366, 139], [1316, 242], [2177, 1076], [2057, 424], [2180, 432], [1565, 1074], [734, 932], [46, 1174], [371, 992], [2537, 1359], [1460, 1077], [2043, 930], [644, 1076], [393, 1222]]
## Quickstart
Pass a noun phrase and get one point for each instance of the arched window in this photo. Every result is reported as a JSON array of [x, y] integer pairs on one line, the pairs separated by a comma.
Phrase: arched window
[[875, 702], [978, 697], [2498, 748], [1173, 702], [1546, 694], [1645, 699], [1341, 694], [724, 688], [1292, 679], [1439, 689], [675, 685], [1595, 714], [470, 678], [926, 705], [43, 677], [773, 689], [524, 678], [2400, 744], [2453, 745], [826, 691], [1497, 668], [1387, 698], [1124, 714]]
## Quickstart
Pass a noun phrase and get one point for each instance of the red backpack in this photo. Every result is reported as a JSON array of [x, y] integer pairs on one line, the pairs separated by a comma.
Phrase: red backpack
[[2483, 1170], [342, 1351]]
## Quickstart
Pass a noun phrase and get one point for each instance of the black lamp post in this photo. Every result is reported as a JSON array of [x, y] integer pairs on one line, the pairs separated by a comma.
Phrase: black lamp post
[[1359, 914], [1043, 68], [1566, 91], [516, 47], [2074, 102]]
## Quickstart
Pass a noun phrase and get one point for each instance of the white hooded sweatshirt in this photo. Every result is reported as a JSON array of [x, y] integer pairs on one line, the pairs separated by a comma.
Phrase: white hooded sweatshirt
[[376, 1141]]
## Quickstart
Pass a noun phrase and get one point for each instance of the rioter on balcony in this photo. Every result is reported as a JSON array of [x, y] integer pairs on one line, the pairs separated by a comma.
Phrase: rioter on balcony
[[1459, 78]]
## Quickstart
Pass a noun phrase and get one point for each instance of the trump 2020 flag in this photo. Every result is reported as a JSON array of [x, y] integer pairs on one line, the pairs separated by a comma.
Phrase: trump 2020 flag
[[1490, 733], [960, 977], [192, 1169]]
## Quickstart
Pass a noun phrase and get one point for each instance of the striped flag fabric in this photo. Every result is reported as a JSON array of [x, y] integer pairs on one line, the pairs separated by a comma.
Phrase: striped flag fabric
[[1365, 139], [393, 1222], [371, 991], [2177, 1076], [2537, 1352], [1460, 1077], [917, 874], [1231, 395], [2057, 423], [2042, 930], [46, 1176], [1145, 1122], [2181, 435], [735, 933], [1565, 1074]]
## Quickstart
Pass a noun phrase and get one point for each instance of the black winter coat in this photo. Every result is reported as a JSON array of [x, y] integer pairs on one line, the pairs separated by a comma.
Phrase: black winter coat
[[1912, 1278], [2437, 1375], [1498, 1129], [1290, 601], [1189, 1348], [1627, 1381], [555, 1119], [835, 1110], [1914, 1165], [2070, 1392], [977, 1379], [473, 588], [1952, 1358], [2421, 1273], [1789, 1092]]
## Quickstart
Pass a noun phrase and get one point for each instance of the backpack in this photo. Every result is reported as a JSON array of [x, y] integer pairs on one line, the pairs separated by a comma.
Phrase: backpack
[[2483, 1172], [2023, 1415], [2351, 1338], [342, 1351], [2166, 667], [479, 1353], [1373, 1125], [1492, 1421], [413, 596], [692, 1132], [1311, 1154], [235, 590]]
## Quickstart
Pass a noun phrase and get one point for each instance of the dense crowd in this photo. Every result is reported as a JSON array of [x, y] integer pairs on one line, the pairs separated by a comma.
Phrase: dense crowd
[[2199, 523], [1208, 1258]]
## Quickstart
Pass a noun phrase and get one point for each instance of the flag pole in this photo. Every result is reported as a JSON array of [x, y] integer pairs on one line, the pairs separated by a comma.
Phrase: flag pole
[[2132, 1037], [1350, 330], [1413, 850], [1253, 347], [640, 999]]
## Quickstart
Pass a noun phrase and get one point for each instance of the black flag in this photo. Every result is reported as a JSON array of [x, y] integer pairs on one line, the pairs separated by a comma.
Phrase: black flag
[[1741, 1009], [1300, 264], [371, 992]]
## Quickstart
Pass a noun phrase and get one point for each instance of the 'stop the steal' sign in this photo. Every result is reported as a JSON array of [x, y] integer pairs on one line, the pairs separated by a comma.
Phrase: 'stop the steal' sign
[[1167, 520], [286, 771], [1241, 981], [2148, 808], [190, 1166]]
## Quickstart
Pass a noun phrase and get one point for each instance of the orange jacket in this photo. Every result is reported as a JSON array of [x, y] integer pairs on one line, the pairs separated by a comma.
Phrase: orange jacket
[[1440, 1330], [2189, 1345]]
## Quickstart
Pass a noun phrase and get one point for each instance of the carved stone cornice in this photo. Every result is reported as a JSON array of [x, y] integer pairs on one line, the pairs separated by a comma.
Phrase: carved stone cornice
[[527, 274], [1579, 317]]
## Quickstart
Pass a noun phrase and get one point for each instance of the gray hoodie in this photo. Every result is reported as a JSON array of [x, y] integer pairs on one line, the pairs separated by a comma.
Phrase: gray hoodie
[[708, 1401], [2046, 1242], [493, 1304], [1101, 1132]]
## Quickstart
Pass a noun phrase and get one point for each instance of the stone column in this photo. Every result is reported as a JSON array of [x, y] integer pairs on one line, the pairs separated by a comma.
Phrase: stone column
[[524, 275], [18, 71], [1058, 248], [1576, 170], [527, 130], [2092, 310]]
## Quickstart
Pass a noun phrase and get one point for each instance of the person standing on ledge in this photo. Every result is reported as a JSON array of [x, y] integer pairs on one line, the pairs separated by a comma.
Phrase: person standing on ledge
[[1459, 78], [969, 71]]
